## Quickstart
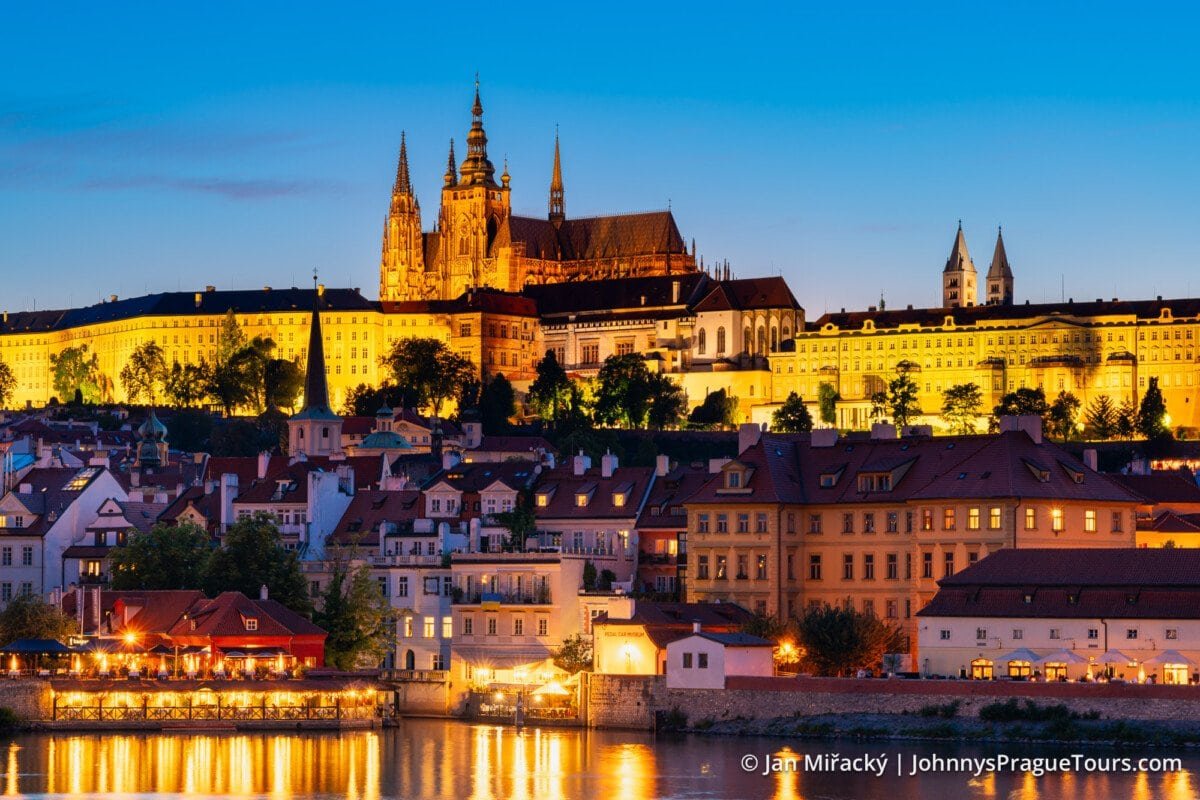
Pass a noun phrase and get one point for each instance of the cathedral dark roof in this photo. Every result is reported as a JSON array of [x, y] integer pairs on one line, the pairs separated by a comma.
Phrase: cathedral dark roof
[[592, 238], [743, 294], [585, 297]]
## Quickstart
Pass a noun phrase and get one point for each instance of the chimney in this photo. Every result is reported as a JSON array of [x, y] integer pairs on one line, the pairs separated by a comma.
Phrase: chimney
[[674, 291], [581, 463], [662, 465], [1091, 459], [264, 461], [695, 626], [608, 465], [112, 298], [715, 464], [473, 434], [198, 299], [749, 434], [1031, 424], [210, 486], [210, 288], [450, 459], [883, 431], [229, 492], [824, 437], [262, 592]]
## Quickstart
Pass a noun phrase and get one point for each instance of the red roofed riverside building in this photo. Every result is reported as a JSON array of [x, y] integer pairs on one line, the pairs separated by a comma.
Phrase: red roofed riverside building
[[1132, 613], [872, 523], [631, 638]]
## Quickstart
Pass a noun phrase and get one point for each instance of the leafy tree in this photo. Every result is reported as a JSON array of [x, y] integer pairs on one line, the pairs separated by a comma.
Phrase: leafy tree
[[252, 555], [165, 557], [899, 401], [668, 403], [589, 575], [1022, 402], [1064, 412], [75, 370], [623, 393], [1126, 422], [8, 384], [520, 522], [430, 369], [1152, 414], [190, 431], [960, 407], [1101, 418], [145, 373], [28, 616], [550, 392], [827, 400], [839, 641], [230, 338], [358, 618], [719, 410], [574, 655], [497, 403], [250, 365], [792, 416], [283, 380], [185, 384], [364, 400]]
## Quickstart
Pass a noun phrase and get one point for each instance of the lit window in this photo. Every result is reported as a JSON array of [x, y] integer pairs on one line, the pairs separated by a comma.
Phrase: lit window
[[1056, 520], [1089, 520]]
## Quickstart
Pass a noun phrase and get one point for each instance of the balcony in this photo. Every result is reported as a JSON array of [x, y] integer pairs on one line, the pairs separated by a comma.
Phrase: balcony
[[657, 559], [407, 561], [539, 597]]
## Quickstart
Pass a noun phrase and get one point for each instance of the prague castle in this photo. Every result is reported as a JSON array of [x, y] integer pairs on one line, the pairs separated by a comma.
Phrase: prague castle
[[478, 242], [502, 289]]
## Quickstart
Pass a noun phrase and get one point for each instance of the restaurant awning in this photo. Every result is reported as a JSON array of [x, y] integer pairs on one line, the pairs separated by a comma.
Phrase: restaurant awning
[[1173, 657], [1062, 657], [1021, 654], [35, 647], [500, 657], [1113, 657]]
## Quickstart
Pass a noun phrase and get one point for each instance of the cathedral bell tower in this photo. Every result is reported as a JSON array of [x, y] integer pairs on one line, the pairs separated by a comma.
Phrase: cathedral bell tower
[[474, 207], [999, 276], [402, 267]]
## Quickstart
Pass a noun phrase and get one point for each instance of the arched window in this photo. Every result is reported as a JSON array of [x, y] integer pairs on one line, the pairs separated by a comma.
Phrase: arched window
[[774, 338], [721, 340], [701, 342], [787, 333], [762, 339], [324, 433], [300, 432], [748, 341]]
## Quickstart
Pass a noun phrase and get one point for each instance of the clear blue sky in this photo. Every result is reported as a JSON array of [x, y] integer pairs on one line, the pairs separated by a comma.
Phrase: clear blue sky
[[157, 146]]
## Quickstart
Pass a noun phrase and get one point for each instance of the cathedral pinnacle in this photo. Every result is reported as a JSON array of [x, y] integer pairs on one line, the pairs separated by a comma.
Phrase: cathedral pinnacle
[[558, 206], [403, 184], [451, 176]]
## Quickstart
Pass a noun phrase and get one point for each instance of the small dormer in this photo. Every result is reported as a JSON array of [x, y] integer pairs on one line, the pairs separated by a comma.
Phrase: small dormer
[[830, 476], [874, 482], [1038, 471], [583, 495], [544, 496], [621, 494], [735, 477], [1072, 471], [249, 623]]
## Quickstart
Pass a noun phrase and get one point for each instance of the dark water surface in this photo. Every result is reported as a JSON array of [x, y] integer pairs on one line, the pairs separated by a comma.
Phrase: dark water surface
[[460, 761]]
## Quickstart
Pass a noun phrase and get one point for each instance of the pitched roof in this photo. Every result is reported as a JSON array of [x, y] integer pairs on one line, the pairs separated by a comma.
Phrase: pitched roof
[[748, 293], [561, 486], [959, 258], [1112, 583], [603, 296], [999, 267], [717, 616], [1161, 487], [52, 490], [368, 509], [226, 615], [664, 506]]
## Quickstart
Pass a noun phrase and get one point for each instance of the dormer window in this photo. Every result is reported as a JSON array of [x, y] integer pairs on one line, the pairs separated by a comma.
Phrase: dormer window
[[581, 499], [619, 499], [733, 480], [543, 500], [251, 623]]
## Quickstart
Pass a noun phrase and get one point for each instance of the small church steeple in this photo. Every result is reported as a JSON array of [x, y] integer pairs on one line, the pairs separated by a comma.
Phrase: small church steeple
[[959, 276], [1000, 275], [558, 206], [315, 430], [451, 176], [476, 168]]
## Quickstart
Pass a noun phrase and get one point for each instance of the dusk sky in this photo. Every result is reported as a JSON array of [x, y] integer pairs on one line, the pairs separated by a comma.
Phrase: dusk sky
[[148, 148]]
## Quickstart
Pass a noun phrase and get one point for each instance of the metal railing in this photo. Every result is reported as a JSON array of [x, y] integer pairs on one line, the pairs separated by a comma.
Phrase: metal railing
[[147, 713]]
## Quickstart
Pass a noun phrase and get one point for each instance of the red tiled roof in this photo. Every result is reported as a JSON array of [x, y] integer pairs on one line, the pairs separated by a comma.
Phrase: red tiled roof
[[159, 611], [715, 616], [357, 426], [664, 507], [565, 484], [369, 508], [1162, 487], [49, 495], [245, 467], [749, 293], [1108, 566], [513, 444], [1170, 522]]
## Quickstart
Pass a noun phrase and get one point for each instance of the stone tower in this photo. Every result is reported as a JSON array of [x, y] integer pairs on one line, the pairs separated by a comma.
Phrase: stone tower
[[402, 267], [473, 209], [959, 277], [999, 276], [315, 430]]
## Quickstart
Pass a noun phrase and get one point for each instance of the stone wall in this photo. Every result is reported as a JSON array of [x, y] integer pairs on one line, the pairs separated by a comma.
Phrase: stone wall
[[29, 699], [633, 701], [422, 698]]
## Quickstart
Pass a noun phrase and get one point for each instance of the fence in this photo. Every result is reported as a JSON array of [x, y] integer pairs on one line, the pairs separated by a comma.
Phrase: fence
[[147, 713]]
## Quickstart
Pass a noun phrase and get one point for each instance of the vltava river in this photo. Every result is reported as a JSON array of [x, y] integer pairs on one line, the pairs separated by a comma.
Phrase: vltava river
[[459, 761]]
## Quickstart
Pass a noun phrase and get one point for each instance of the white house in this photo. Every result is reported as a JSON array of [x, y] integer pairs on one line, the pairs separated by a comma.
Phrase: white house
[[1125, 613], [703, 660]]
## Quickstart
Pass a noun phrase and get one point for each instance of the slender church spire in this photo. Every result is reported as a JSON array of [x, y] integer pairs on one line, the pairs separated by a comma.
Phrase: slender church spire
[[316, 389], [959, 276], [451, 176], [403, 184], [558, 206]]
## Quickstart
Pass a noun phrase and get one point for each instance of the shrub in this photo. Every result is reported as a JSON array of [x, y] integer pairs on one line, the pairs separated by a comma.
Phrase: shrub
[[8, 719], [945, 710]]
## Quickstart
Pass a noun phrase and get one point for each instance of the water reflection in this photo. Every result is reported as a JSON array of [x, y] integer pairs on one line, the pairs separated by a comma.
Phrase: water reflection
[[454, 761]]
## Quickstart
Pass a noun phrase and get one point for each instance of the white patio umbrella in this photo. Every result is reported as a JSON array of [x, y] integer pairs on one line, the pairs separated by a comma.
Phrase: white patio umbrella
[[1020, 654], [1062, 657], [1170, 657], [1113, 657]]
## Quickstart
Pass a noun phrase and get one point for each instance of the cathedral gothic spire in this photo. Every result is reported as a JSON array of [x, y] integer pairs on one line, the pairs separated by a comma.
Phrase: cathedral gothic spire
[[1000, 275], [959, 276], [403, 184], [558, 206], [451, 176]]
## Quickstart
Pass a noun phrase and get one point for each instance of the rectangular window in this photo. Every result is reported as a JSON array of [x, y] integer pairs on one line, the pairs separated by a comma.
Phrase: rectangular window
[[491, 626], [893, 522], [543, 628], [702, 523], [893, 567], [702, 568], [468, 626], [927, 565], [402, 586], [408, 627], [722, 523], [743, 523], [518, 626], [429, 625], [926, 519], [847, 523], [743, 570], [6, 556], [1131, 633], [848, 567], [721, 573], [760, 568], [981, 634], [1089, 520], [760, 523], [948, 558], [687, 660], [814, 567], [948, 519], [1055, 633], [868, 522], [1116, 522], [973, 519], [1093, 633], [702, 661], [1018, 633], [869, 566], [944, 634], [1056, 520], [1031, 519], [814, 523], [1172, 633], [994, 518], [908, 566]]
